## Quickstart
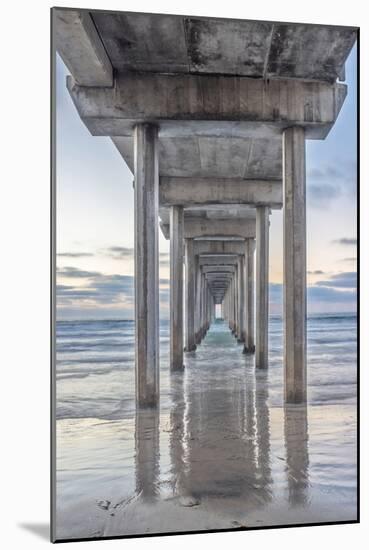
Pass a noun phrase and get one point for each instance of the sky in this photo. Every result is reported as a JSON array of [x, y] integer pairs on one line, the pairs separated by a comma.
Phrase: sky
[[94, 196]]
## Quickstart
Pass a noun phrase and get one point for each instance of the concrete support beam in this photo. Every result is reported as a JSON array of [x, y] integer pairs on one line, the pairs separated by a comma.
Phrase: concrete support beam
[[190, 344], [219, 247], [272, 104], [262, 287], [204, 191], [176, 288], [249, 297], [221, 228], [294, 258], [214, 260], [214, 269], [146, 266], [80, 47], [198, 227]]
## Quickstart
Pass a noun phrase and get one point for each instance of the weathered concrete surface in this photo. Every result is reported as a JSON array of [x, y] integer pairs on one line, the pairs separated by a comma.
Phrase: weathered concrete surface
[[241, 298], [249, 297], [208, 269], [213, 221], [294, 268], [213, 155], [208, 191], [262, 287], [199, 272], [199, 227], [204, 45], [146, 266], [190, 344], [218, 247], [176, 288], [221, 211], [220, 260], [143, 41], [80, 47], [220, 276], [138, 97]]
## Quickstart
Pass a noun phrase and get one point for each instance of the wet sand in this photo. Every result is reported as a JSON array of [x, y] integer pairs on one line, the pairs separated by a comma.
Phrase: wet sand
[[222, 453]]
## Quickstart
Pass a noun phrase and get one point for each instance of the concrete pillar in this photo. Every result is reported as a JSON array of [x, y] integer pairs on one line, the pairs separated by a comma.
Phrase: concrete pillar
[[294, 268], [234, 298], [231, 305], [203, 305], [262, 286], [176, 287], [236, 301], [190, 344], [249, 297], [146, 265], [241, 299], [198, 303]]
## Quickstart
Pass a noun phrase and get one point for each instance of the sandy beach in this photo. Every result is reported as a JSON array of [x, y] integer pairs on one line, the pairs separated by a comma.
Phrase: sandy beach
[[222, 453]]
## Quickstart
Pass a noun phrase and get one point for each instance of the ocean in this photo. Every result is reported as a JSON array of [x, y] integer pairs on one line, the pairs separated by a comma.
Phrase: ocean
[[222, 444]]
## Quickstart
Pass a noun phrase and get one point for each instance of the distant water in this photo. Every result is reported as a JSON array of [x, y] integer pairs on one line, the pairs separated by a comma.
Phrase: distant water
[[95, 365]]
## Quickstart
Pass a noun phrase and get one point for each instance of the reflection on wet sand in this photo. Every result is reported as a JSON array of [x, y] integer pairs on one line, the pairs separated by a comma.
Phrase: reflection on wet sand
[[147, 453], [219, 442], [297, 453], [231, 459], [221, 453]]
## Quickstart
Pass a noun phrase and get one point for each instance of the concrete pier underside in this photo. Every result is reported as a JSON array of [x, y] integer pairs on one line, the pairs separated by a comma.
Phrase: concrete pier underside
[[225, 107]]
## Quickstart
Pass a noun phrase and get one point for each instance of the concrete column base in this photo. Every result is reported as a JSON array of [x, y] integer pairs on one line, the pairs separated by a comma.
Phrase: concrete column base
[[193, 348]]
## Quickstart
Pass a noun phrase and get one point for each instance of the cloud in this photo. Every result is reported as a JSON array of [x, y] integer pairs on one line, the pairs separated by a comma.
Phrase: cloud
[[316, 272], [164, 295], [327, 183], [74, 254], [95, 289], [345, 241], [352, 259], [321, 294], [324, 294], [75, 273], [164, 259], [119, 252], [98, 290], [340, 280], [327, 172], [122, 252], [320, 195]]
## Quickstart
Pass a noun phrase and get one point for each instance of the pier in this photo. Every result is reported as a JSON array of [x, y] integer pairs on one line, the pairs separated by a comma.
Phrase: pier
[[212, 117]]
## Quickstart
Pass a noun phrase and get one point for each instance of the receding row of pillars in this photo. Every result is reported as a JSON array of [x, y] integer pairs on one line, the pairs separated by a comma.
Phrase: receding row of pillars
[[186, 331]]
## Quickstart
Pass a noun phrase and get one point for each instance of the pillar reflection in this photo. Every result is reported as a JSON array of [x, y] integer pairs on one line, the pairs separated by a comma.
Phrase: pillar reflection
[[264, 480], [147, 453], [297, 453], [220, 435], [177, 433]]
